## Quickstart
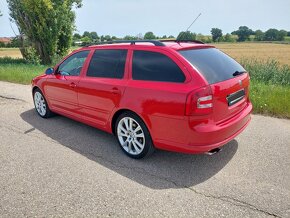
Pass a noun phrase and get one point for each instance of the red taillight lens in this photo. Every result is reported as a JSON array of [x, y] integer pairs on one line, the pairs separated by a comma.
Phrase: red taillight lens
[[199, 102]]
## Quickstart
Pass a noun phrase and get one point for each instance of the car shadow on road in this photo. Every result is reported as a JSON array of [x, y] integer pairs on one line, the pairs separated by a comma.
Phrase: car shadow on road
[[162, 170]]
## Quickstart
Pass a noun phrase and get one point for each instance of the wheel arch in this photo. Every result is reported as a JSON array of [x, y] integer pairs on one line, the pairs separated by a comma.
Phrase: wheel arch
[[123, 110], [34, 88]]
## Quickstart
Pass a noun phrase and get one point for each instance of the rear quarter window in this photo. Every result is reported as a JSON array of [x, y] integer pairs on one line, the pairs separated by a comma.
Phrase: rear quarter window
[[213, 64], [153, 66]]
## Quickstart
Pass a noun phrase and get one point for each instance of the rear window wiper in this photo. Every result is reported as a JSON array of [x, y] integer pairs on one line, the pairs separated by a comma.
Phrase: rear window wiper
[[238, 73]]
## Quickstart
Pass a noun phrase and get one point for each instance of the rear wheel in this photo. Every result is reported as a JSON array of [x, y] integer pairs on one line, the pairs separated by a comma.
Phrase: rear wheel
[[133, 136], [41, 105]]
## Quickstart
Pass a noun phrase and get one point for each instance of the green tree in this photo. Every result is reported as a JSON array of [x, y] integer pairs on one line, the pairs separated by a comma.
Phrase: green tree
[[259, 35], [243, 33], [282, 35], [94, 35], [273, 35], [229, 38], [87, 34], [128, 37], [107, 38], [186, 36], [47, 24], [216, 34], [77, 36], [149, 35], [86, 40]]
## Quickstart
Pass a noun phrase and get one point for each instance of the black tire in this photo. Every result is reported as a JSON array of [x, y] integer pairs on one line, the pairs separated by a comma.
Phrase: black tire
[[44, 114], [132, 149]]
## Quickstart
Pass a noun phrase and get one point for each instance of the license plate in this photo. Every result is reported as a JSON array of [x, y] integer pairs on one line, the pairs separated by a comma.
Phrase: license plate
[[235, 97]]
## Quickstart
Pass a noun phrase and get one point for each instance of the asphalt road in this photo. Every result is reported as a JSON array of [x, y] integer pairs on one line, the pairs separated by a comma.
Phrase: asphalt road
[[58, 167]]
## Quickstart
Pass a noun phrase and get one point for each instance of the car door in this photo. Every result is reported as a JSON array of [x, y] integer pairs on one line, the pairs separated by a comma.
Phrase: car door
[[61, 87], [100, 91], [159, 83]]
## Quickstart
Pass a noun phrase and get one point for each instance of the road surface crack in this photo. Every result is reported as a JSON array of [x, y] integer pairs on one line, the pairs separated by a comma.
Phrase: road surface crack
[[234, 201], [11, 98]]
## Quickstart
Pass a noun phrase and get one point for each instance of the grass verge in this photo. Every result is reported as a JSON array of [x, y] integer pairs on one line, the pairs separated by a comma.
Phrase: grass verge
[[18, 71], [270, 99]]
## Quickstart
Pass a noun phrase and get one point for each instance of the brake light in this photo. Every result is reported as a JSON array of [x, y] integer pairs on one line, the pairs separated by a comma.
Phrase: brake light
[[199, 102]]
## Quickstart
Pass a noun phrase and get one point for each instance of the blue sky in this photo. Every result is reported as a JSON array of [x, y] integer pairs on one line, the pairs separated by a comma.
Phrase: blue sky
[[165, 17]]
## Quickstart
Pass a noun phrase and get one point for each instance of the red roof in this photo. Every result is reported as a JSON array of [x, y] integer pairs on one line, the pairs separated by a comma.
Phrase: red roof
[[5, 39]]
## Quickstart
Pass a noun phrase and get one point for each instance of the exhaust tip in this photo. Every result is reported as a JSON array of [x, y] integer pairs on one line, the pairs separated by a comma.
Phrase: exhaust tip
[[213, 151]]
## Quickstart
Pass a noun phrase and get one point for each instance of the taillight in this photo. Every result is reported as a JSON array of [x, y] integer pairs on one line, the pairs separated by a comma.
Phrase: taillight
[[199, 102]]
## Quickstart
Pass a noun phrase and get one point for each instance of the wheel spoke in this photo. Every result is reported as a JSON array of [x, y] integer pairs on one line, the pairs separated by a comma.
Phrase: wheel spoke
[[139, 144], [123, 134], [125, 143], [129, 146], [140, 135], [126, 123], [131, 124], [138, 128], [122, 129], [137, 149]]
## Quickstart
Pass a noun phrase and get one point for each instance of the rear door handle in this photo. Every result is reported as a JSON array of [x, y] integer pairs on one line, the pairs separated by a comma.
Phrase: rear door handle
[[73, 85], [115, 91]]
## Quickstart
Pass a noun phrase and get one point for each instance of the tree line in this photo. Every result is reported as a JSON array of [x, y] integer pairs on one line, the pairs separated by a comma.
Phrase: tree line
[[46, 30], [241, 35]]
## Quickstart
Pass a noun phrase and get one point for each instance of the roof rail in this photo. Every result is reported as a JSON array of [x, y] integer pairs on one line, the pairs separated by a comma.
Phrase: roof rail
[[132, 42], [181, 40]]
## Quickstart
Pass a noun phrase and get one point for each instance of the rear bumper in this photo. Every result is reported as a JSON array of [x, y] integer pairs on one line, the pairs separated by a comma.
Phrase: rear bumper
[[201, 138]]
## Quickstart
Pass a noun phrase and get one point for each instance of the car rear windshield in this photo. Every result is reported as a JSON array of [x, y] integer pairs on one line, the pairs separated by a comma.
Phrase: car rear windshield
[[214, 65]]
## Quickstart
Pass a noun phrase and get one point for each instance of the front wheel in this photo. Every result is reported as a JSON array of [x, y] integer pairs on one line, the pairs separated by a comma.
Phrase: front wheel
[[133, 136], [40, 104]]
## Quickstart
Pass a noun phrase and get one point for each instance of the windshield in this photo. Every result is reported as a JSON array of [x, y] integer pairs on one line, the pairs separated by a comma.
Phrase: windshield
[[213, 64]]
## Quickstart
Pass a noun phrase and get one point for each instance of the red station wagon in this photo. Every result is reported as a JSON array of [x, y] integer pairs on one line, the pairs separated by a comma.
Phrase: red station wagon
[[182, 96]]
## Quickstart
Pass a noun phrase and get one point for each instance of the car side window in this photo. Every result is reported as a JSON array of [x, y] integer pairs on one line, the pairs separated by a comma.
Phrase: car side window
[[72, 66], [153, 66], [108, 63]]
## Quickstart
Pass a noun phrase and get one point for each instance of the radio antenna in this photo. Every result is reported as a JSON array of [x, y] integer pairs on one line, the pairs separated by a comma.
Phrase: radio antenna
[[193, 22], [190, 25]]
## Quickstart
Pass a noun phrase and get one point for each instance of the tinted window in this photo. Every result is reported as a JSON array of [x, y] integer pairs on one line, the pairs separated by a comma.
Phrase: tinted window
[[212, 63], [155, 67], [73, 65], [108, 63]]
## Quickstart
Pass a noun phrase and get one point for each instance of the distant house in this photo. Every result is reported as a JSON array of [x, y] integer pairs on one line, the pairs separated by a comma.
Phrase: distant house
[[78, 42], [5, 40]]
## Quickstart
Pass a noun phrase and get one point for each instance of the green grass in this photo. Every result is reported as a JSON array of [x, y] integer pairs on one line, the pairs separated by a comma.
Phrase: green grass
[[270, 82], [270, 99], [270, 87], [287, 38], [18, 71], [268, 72]]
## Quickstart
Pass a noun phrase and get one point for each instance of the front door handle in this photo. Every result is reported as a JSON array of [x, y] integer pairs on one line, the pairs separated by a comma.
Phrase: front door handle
[[115, 91], [73, 85]]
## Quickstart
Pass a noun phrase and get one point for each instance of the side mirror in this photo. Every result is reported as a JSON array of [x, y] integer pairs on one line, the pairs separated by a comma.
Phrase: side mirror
[[49, 71]]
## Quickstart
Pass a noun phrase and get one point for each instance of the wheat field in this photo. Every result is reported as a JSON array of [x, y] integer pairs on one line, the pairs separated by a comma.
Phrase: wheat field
[[259, 51], [10, 52]]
